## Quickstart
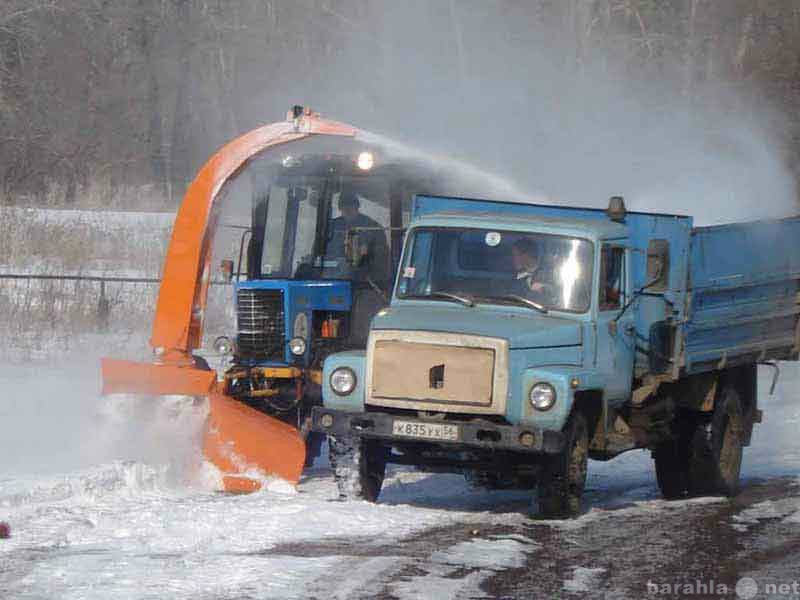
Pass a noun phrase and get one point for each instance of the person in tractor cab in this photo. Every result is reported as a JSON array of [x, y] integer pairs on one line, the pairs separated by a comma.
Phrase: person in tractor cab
[[368, 235], [369, 272], [534, 279]]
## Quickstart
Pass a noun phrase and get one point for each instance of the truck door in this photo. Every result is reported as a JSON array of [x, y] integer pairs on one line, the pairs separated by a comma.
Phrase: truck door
[[615, 348]]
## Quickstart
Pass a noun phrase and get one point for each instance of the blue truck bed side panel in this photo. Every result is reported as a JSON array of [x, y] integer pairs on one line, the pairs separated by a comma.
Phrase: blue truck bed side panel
[[745, 293]]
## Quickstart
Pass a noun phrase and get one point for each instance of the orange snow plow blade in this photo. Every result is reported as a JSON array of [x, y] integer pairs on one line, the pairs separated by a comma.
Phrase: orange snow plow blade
[[240, 438], [240, 441]]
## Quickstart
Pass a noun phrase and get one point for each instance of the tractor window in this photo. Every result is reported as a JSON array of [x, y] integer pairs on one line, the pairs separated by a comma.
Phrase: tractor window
[[289, 230], [611, 277], [304, 223]]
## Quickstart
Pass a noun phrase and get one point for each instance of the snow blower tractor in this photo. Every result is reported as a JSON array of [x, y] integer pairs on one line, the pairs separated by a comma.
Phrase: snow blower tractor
[[318, 246]]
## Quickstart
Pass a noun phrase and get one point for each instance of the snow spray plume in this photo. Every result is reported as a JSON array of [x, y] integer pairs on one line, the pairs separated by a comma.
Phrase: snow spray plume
[[532, 92], [54, 421]]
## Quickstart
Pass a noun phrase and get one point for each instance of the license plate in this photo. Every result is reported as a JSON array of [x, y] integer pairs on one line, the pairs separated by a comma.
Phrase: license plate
[[426, 431]]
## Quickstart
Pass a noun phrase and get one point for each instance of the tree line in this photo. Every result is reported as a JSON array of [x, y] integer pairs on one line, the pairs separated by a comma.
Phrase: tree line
[[138, 93]]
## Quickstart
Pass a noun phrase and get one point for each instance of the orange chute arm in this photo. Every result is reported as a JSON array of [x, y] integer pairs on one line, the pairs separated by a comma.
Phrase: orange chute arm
[[178, 323]]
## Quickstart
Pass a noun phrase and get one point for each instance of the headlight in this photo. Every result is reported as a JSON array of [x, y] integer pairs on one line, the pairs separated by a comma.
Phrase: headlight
[[365, 161], [542, 396], [223, 345], [297, 346], [343, 381]]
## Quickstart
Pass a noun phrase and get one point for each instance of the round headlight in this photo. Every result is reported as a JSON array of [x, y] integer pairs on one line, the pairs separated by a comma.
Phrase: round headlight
[[343, 381], [542, 396], [297, 346], [223, 345], [365, 161]]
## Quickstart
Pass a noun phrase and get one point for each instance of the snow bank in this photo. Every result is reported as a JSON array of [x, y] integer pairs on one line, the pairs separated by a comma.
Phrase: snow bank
[[584, 579]]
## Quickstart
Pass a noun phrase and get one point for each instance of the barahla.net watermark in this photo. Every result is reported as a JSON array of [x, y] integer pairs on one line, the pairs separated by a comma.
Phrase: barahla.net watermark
[[746, 588]]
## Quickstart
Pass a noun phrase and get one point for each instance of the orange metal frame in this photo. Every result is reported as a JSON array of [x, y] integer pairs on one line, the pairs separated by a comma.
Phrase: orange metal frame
[[238, 438], [178, 325]]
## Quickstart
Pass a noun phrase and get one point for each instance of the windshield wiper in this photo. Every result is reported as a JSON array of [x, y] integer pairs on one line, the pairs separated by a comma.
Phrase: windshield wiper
[[465, 300], [523, 300]]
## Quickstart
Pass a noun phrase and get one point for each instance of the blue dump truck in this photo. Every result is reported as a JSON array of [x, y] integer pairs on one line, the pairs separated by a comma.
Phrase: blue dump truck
[[522, 340]]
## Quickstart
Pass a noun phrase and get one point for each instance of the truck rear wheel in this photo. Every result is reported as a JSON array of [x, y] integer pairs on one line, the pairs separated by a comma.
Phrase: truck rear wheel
[[672, 469], [671, 458], [490, 480], [563, 476], [716, 447], [359, 466]]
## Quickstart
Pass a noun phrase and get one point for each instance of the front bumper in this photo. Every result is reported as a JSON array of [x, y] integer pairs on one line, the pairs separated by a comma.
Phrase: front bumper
[[472, 434]]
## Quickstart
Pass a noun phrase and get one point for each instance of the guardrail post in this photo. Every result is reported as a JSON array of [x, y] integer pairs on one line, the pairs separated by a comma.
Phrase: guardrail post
[[103, 309]]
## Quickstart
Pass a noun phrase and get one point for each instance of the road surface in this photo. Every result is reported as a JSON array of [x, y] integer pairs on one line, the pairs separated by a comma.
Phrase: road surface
[[105, 499]]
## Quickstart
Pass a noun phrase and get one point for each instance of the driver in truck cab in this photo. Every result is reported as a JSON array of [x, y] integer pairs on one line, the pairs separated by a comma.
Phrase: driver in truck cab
[[533, 276]]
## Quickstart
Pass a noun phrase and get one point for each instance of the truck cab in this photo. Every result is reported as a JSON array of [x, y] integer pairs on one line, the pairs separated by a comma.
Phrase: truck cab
[[520, 340]]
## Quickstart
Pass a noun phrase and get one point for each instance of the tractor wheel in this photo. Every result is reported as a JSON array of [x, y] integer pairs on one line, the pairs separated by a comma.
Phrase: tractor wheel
[[715, 452], [563, 476], [359, 466]]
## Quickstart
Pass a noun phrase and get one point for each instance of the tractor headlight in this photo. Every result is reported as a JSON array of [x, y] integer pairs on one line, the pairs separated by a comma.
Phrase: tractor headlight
[[542, 396], [297, 346], [343, 381], [223, 345], [365, 161]]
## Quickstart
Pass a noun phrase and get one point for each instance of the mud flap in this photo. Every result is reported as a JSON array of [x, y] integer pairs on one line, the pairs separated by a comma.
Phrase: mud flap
[[240, 441]]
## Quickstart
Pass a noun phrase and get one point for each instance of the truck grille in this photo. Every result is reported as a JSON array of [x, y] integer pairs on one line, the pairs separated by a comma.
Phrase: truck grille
[[260, 318], [440, 372]]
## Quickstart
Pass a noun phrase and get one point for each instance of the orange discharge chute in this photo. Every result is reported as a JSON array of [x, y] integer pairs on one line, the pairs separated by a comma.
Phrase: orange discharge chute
[[239, 440]]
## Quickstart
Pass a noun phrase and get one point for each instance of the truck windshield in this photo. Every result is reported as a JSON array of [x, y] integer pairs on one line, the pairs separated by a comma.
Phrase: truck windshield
[[547, 272]]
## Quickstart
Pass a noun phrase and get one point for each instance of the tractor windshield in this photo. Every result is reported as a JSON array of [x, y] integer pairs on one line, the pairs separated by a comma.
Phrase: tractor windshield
[[304, 223], [542, 271], [309, 209]]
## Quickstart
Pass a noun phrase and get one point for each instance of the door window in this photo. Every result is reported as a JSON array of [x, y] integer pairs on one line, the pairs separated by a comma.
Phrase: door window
[[612, 277]]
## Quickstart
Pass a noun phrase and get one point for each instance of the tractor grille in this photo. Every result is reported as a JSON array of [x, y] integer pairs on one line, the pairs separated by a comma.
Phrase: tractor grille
[[260, 318]]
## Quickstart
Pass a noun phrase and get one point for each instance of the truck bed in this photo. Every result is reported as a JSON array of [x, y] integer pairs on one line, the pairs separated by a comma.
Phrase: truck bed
[[744, 286]]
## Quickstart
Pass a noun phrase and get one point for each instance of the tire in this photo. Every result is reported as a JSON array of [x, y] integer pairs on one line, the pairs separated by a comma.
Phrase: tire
[[489, 480], [359, 466], [671, 459], [314, 442], [563, 476], [672, 470], [715, 452]]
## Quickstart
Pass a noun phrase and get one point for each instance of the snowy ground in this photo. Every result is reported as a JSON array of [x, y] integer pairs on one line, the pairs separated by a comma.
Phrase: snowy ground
[[106, 500]]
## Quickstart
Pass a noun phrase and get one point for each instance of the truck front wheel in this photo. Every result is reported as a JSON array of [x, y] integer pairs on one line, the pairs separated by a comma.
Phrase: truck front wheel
[[716, 447], [563, 476], [358, 465]]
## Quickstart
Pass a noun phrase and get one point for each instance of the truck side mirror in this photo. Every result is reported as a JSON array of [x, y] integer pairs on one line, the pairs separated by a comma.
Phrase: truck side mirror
[[662, 340], [226, 267], [658, 265]]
